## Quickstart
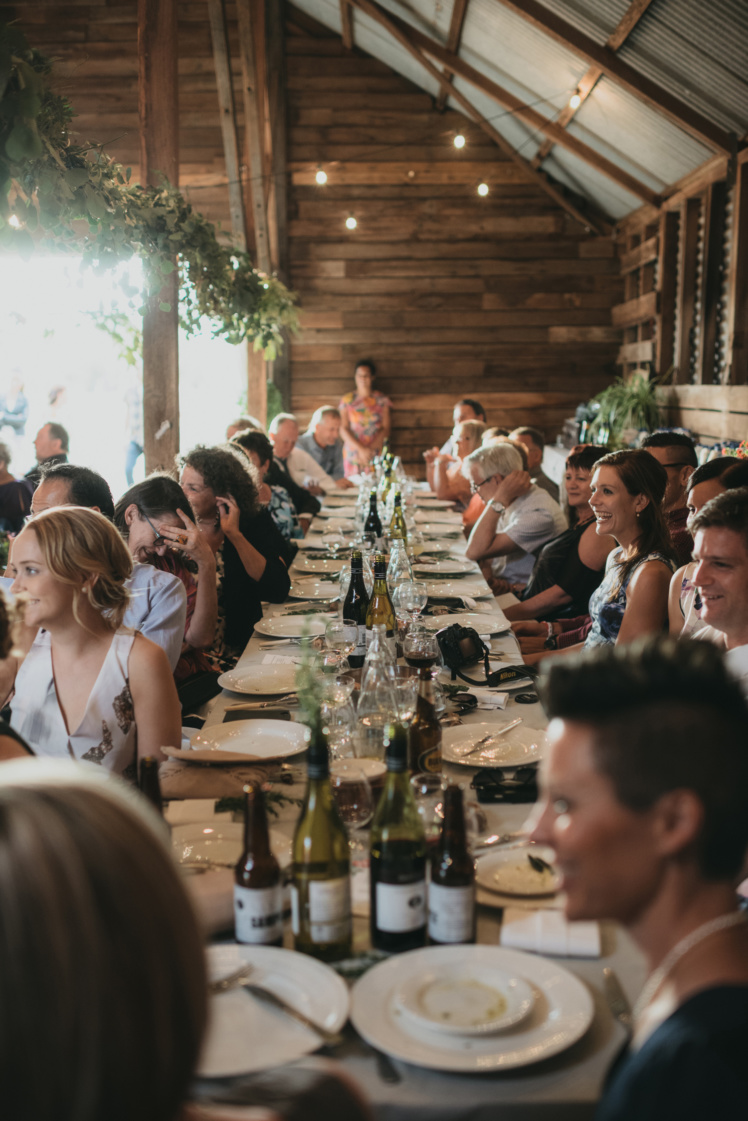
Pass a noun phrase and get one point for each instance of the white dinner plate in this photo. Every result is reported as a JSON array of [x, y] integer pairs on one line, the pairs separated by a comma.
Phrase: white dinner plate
[[514, 748], [305, 564], [310, 543], [341, 496], [483, 624], [291, 626], [334, 525], [510, 872], [455, 566], [431, 502], [433, 529], [464, 999], [244, 741], [475, 588], [562, 1012], [309, 588], [438, 517], [337, 512], [246, 1034], [210, 842], [260, 679]]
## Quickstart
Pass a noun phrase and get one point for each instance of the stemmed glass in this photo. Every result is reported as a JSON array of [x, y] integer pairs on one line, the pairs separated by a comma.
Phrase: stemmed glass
[[413, 597], [334, 542], [353, 798], [338, 713], [421, 648], [406, 693], [340, 641]]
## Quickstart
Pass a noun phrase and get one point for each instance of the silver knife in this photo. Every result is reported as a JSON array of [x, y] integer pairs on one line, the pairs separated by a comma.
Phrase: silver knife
[[330, 1038], [618, 1002]]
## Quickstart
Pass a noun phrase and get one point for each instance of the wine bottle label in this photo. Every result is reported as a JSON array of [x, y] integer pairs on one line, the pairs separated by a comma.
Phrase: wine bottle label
[[330, 909], [358, 635], [401, 907], [258, 913], [451, 913]]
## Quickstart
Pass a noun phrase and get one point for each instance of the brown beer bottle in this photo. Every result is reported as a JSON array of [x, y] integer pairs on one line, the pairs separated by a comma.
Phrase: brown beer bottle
[[425, 733], [452, 887], [149, 783], [258, 890]]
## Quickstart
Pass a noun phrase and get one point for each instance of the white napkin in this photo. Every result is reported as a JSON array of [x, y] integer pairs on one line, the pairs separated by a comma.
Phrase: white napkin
[[279, 660], [469, 603], [548, 932], [492, 700]]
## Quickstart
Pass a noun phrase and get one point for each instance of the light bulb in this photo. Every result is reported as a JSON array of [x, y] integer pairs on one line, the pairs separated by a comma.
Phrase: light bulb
[[575, 100], [321, 176], [459, 141], [14, 221], [351, 222], [483, 189]]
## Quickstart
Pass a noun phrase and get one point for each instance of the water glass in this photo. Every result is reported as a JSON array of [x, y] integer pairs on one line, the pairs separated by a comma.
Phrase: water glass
[[428, 791]]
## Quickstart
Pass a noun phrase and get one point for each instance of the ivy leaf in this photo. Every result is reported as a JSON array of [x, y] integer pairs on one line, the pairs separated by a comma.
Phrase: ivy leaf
[[76, 176], [95, 204], [23, 143]]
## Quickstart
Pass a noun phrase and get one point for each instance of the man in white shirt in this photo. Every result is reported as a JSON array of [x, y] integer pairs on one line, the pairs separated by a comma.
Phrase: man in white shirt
[[720, 532], [158, 604], [300, 465], [519, 517]]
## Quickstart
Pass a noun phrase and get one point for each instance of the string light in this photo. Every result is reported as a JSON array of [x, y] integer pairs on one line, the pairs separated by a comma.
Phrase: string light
[[483, 189], [14, 222], [459, 140], [321, 176], [575, 100], [351, 222]]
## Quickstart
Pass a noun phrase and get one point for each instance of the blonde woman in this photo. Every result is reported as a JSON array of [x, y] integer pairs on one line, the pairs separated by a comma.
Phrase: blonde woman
[[444, 472], [88, 689]]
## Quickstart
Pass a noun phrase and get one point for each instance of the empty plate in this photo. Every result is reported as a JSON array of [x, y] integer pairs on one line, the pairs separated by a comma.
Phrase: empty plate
[[464, 999]]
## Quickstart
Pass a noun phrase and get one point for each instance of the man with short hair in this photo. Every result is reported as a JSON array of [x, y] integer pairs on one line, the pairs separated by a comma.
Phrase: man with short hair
[[158, 604], [676, 452], [323, 443], [519, 517], [303, 469], [534, 442], [51, 445], [243, 423], [720, 532], [465, 409]]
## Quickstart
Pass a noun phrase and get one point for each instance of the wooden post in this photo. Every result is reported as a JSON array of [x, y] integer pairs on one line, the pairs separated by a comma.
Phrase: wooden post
[[689, 236], [737, 285], [158, 111], [254, 131], [278, 198], [222, 62], [666, 286], [714, 236]]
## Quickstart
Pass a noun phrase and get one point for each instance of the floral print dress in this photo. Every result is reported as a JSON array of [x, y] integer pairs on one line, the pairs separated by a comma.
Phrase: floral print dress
[[365, 420]]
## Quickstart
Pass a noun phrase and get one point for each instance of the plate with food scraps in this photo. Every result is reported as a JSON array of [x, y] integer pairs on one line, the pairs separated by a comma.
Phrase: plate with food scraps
[[454, 566], [318, 564], [292, 626], [519, 871], [269, 679], [208, 843], [466, 999], [474, 588], [310, 587], [483, 624], [517, 747]]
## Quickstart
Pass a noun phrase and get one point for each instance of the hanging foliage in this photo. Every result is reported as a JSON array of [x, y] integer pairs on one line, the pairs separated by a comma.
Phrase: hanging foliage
[[54, 192]]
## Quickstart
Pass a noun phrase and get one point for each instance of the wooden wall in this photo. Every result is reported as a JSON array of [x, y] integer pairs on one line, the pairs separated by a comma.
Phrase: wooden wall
[[505, 298]]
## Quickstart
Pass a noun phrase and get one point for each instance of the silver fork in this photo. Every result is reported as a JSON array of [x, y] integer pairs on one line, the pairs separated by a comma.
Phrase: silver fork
[[618, 1002]]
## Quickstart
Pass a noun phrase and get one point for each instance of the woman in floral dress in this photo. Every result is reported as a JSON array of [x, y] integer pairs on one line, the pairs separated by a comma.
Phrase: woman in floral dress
[[364, 420]]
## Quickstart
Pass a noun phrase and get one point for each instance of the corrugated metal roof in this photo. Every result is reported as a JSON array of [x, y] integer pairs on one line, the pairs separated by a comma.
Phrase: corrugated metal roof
[[543, 73]]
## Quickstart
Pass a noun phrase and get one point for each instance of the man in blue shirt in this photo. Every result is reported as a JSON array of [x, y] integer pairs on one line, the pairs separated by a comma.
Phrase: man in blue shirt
[[322, 441]]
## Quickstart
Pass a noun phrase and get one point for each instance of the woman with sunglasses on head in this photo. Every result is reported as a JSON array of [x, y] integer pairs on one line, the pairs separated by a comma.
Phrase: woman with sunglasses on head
[[153, 518], [89, 688]]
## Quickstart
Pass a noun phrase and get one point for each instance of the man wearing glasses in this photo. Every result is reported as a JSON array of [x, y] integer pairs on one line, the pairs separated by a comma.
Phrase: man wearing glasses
[[675, 451]]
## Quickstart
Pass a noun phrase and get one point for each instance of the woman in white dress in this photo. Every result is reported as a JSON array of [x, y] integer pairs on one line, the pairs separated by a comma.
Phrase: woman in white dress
[[88, 689]]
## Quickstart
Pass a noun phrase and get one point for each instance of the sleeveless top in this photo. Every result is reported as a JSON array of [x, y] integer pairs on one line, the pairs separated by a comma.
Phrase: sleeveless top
[[559, 563], [106, 734], [607, 613]]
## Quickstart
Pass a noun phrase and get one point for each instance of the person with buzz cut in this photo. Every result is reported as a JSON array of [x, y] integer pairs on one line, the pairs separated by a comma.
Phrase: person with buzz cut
[[676, 452]]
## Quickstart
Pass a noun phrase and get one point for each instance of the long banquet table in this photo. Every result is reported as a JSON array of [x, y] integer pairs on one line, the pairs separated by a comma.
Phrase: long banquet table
[[564, 1087]]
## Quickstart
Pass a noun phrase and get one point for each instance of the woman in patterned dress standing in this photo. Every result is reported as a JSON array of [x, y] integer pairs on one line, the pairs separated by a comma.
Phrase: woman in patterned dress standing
[[364, 420]]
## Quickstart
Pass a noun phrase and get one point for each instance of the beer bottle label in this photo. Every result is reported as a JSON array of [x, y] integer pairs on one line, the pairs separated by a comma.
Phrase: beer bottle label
[[258, 914], [451, 913]]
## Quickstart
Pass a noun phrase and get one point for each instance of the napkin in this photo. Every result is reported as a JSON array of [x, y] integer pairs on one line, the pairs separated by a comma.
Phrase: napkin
[[492, 701], [188, 780], [548, 932], [192, 810]]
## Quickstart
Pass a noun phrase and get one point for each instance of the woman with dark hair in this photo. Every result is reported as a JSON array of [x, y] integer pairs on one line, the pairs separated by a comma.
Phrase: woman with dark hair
[[364, 420], [248, 548], [277, 500], [570, 566], [152, 518], [15, 496]]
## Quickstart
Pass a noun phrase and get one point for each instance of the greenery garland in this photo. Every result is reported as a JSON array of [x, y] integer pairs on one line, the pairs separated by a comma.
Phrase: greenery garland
[[54, 192]]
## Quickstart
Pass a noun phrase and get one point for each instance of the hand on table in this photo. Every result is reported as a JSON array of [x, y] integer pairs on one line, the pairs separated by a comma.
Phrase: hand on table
[[527, 627]]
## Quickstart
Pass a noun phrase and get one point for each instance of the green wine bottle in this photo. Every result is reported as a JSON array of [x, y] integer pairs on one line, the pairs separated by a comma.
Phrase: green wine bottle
[[355, 607], [380, 610], [321, 886], [398, 856]]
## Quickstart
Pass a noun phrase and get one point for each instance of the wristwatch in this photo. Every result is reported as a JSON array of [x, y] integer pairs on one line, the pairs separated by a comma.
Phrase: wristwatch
[[551, 642]]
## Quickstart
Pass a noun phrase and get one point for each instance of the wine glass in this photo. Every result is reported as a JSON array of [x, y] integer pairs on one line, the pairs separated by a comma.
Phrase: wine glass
[[354, 800], [334, 542], [421, 648], [414, 597], [416, 543], [340, 638], [338, 713], [406, 693]]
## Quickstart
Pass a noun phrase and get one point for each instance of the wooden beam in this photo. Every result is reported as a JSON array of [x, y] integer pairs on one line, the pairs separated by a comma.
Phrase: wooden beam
[[416, 43], [459, 10], [667, 288], [633, 312], [254, 131], [158, 110], [689, 243], [346, 24], [635, 353], [711, 284], [222, 62], [641, 255], [619, 71], [737, 284], [587, 83], [278, 201]]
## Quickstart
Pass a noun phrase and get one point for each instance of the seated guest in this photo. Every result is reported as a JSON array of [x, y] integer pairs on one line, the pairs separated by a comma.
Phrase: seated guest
[[303, 469], [12, 745], [491, 434], [88, 688], [364, 420], [684, 602], [675, 451], [519, 517], [244, 423], [157, 606], [249, 549], [644, 794], [570, 566], [720, 532], [323, 443], [15, 496], [466, 409], [51, 445], [259, 451], [534, 441], [152, 517], [444, 472]]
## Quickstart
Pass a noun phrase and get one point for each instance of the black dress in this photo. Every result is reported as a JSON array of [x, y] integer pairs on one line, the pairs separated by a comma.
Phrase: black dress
[[694, 1066], [15, 504], [240, 597], [558, 563]]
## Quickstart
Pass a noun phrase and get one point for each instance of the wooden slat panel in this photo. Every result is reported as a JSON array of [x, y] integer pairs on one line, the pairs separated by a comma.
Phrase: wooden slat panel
[[639, 256], [635, 311], [634, 353]]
